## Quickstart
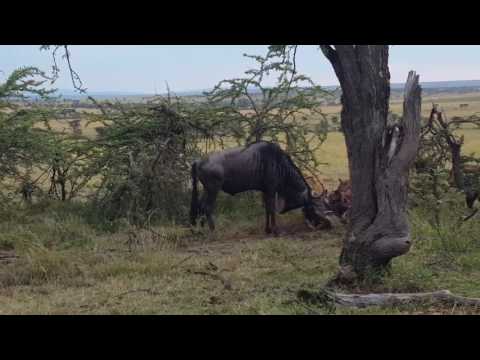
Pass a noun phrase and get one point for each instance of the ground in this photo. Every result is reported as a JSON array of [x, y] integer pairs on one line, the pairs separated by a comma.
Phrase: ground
[[53, 261], [61, 265]]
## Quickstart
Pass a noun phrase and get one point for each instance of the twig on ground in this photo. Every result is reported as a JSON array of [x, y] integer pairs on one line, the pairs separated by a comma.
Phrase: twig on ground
[[180, 262], [226, 283], [119, 296]]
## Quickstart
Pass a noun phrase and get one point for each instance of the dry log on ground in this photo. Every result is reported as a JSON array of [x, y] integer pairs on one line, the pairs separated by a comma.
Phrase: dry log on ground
[[441, 297]]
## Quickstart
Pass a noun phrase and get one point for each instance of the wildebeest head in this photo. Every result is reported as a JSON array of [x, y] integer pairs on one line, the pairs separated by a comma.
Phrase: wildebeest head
[[317, 212]]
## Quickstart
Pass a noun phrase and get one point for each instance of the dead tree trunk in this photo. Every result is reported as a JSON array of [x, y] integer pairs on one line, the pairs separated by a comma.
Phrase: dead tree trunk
[[457, 165], [455, 146], [379, 157]]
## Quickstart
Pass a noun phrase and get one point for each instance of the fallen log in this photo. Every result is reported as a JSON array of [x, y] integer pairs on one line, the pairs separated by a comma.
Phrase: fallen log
[[443, 297]]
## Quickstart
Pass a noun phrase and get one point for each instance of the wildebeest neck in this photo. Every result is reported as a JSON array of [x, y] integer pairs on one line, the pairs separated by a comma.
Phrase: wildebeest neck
[[293, 188]]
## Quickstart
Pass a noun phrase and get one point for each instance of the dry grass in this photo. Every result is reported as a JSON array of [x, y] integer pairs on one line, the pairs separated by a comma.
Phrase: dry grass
[[238, 270], [229, 273]]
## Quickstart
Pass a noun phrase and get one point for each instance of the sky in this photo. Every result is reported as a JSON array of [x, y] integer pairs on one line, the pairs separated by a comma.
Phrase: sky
[[147, 68]]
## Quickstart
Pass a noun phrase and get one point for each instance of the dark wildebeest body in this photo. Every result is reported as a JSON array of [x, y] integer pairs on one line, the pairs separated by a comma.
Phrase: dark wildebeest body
[[263, 167]]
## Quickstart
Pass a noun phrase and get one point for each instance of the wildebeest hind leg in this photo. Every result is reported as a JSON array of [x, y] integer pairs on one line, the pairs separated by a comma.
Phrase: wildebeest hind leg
[[270, 211], [274, 225]]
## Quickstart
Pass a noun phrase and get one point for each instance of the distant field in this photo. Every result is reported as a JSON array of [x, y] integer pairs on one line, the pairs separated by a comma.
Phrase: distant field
[[333, 151], [449, 102]]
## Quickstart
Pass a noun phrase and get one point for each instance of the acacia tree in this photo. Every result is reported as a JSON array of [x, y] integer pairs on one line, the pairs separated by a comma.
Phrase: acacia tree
[[441, 155], [379, 157], [250, 111], [21, 140]]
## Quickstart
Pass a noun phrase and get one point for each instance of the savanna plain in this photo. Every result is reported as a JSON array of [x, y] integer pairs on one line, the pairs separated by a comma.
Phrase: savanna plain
[[55, 260]]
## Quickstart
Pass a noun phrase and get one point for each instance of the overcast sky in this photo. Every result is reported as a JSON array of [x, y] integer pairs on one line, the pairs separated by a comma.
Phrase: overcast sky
[[136, 68]]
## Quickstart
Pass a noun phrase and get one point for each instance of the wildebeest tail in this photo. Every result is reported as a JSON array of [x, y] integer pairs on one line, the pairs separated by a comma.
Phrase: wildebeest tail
[[194, 205]]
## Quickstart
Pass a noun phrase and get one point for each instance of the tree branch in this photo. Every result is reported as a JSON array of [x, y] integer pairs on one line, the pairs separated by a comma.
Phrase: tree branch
[[411, 123], [329, 53]]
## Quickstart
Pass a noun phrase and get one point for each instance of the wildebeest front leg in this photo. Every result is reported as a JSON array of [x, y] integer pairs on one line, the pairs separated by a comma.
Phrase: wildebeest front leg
[[209, 207], [271, 225]]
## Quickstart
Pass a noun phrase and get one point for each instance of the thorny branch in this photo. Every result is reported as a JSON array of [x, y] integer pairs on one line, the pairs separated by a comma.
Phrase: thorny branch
[[74, 76]]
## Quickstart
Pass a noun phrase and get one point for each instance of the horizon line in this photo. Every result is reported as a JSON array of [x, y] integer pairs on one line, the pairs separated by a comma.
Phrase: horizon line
[[133, 92]]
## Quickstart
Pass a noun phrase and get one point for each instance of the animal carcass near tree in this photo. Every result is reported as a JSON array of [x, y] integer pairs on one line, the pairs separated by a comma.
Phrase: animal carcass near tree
[[340, 200], [264, 167]]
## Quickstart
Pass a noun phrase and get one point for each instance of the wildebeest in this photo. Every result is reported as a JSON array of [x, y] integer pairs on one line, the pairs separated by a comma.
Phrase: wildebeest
[[264, 167]]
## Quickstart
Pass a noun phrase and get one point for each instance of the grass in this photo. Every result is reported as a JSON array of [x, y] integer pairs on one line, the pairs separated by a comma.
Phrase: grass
[[55, 259], [111, 279], [334, 153], [238, 270]]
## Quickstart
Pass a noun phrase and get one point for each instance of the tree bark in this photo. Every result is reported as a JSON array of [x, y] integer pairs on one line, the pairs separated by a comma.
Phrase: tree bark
[[457, 165], [379, 157]]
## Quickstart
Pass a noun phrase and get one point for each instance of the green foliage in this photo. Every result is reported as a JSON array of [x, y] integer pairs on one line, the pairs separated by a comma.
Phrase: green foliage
[[442, 172], [32, 154], [143, 161], [248, 111], [23, 82], [21, 140], [430, 187], [449, 238]]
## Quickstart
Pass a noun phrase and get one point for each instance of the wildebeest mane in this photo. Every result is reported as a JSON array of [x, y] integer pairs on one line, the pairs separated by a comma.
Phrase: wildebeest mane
[[291, 179], [294, 172]]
